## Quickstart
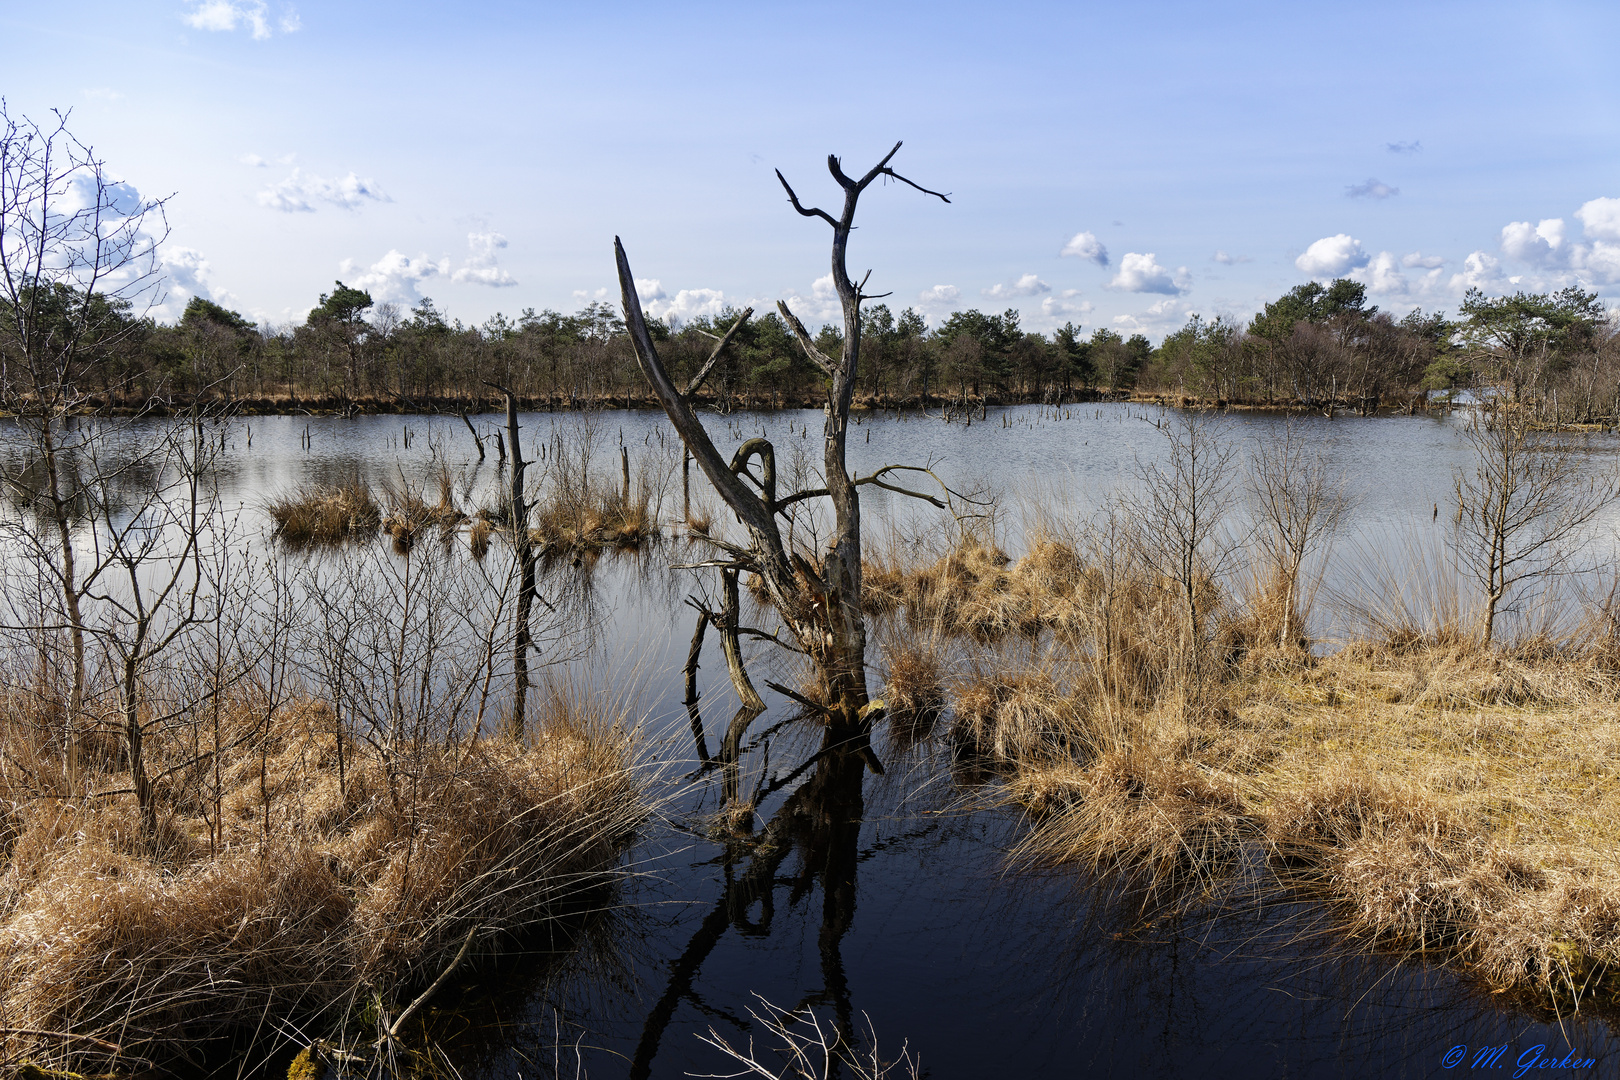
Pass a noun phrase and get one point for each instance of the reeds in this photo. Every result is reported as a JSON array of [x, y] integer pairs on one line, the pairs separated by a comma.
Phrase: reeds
[[1448, 799], [308, 884], [318, 514]]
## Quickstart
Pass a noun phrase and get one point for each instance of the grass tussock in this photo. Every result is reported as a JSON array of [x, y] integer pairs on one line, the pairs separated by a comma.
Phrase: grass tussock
[[325, 514], [604, 518], [410, 514], [287, 885], [1449, 800]]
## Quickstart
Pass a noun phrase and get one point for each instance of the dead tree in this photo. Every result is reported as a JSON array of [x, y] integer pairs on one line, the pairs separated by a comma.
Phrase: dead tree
[[527, 557], [818, 597]]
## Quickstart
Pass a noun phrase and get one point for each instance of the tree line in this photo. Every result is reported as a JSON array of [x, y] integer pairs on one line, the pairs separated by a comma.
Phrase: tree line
[[1319, 346]]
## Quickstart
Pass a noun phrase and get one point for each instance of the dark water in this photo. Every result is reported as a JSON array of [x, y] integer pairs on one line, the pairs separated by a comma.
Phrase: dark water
[[886, 903]]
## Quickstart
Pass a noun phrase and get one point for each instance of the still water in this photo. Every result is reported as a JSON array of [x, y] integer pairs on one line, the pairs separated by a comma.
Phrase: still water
[[887, 903]]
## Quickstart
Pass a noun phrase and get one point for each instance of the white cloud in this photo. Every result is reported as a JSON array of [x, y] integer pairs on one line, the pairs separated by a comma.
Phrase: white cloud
[[823, 289], [1142, 274], [290, 22], [1028, 285], [1417, 258], [1559, 260], [187, 274], [1229, 260], [1382, 275], [1054, 308], [1083, 245], [585, 296], [300, 192], [1372, 189], [939, 297], [1538, 245], [649, 289], [1600, 219], [253, 160], [395, 278], [687, 304], [1332, 256], [480, 267], [1166, 314], [1480, 271], [225, 15]]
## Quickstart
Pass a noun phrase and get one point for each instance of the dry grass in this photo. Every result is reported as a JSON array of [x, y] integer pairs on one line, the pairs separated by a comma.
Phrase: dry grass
[[604, 519], [293, 894], [409, 512], [1454, 801], [325, 515], [1460, 805]]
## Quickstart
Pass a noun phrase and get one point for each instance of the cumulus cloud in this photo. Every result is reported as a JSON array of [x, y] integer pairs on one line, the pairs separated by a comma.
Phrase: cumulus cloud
[[1600, 219], [300, 192], [939, 297], [1413, 147], [1229, 260], [649, 289], [585, 296], [1060, 306], [186, 274], [1480, 271], [1538, 244], [227, 15], [1373, 188], [1142, 274], [253, 160], [1557, 259], [1166, 314], [480, 267], [1384, 275], [1083, 245], [687, 304], [1028, 285], [1332, 256], [395, 278]]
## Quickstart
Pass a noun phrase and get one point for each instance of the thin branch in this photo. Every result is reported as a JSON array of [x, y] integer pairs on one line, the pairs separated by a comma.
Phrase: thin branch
[[817, 357], [811, 211], [714, 357]]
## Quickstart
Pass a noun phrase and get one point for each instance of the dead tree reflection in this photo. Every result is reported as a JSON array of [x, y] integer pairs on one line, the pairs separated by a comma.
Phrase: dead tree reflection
[[821, 819]]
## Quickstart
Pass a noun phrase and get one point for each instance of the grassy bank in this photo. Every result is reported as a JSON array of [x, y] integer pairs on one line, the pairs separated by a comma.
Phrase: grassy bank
[[297, 887], [1446, 799]]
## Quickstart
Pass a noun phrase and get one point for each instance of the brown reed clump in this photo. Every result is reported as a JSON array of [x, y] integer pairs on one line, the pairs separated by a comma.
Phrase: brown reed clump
[[294, 890], [325, 514], [1158, 823], [1019, 719], [596, 517], [409, 512], [914, 689]]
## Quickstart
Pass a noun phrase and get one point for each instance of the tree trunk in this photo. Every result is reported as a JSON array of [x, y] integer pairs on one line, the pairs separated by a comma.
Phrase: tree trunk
[[523, 547]]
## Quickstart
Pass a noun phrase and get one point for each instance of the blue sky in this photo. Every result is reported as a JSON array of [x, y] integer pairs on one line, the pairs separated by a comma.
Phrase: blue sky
[[1188, 157]]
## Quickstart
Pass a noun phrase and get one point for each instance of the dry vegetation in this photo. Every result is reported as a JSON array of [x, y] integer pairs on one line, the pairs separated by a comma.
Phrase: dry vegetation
[[1450, 799], [325, 515], [292, 884]]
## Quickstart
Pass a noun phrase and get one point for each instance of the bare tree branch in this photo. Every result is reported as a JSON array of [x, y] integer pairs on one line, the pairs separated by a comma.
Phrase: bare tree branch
[[817, 357], [714, 357]]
